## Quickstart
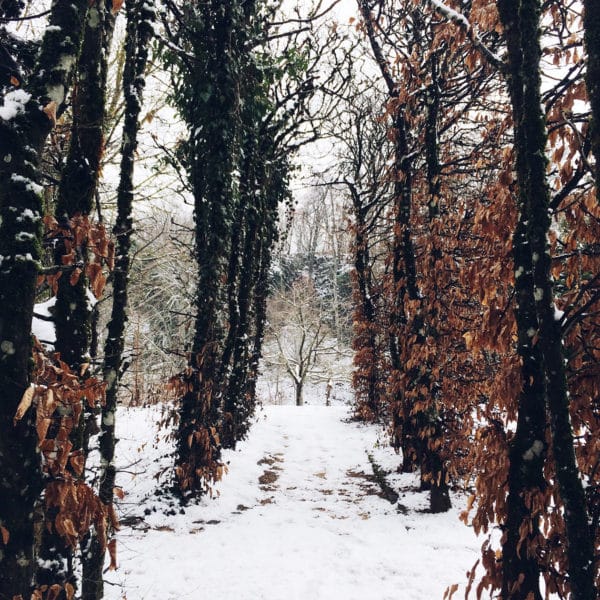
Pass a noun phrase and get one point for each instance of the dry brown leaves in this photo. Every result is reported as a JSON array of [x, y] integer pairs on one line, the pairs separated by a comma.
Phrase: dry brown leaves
[[84, 243]]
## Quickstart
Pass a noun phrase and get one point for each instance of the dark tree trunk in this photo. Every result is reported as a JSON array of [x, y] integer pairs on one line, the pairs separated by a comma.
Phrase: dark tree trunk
[[299, 389], [21, 143], [591, 22], [434, 466], [237, 405], [521, 21], [140, 17], [210, 105], [275, 190], [366, 376], [76, 194], [404, 273]]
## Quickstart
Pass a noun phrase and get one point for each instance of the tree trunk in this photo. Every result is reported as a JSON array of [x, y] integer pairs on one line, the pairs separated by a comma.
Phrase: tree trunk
[[140, 16], [21, 143], [237, 405], [434, 466], [521, 21], [75, 201], [299, 388], [591, 22], [209, 104]]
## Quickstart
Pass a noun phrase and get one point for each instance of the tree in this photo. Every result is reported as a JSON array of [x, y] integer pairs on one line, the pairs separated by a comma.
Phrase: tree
[[79, 251], [28, 116], [532, 260], [140, 17], [540, 461], [297, 329], [362, 172]]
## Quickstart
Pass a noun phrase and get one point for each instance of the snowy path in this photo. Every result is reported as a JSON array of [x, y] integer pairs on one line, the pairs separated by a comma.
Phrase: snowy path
[[298, 518]]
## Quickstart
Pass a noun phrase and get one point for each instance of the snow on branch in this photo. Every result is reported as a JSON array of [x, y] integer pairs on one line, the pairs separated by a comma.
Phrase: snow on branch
[[464, 24]]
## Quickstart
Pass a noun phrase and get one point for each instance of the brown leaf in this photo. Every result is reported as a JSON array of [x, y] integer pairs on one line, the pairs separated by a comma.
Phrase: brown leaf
[[25, 403], [75, 276], [116, 6], [77, 463], [114, 519], [42, 427], [50, 111], [54, 592], [450, 591], [5, 535], [69, 591], [112, 551]]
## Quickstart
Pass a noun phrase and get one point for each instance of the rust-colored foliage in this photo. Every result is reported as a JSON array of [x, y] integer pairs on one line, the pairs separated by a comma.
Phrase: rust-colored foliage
[[58, 396], [457, 340], [201, 444], [87, 249]]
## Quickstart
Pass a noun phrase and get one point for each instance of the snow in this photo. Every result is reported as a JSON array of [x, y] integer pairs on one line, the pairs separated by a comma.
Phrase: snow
[[30, 185], [14, 104], [42, 329], [298, 516]]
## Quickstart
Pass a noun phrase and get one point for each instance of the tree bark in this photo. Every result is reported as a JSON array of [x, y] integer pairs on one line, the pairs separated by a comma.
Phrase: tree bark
[[521, 20], [140, 16], [76, 194], [21, 142], [591, 22], [210, 107]]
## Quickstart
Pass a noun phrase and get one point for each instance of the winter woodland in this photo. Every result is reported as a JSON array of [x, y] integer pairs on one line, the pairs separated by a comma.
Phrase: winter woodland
[[299, 299]]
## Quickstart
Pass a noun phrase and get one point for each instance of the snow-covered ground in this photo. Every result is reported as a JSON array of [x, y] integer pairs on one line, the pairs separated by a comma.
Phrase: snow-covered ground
[[298, 517]]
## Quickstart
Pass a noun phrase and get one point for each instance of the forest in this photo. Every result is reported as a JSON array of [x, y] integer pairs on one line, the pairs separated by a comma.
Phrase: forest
[[400, 195]]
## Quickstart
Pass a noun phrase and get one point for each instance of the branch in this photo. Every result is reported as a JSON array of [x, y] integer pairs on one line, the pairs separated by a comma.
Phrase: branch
[[463, 23]]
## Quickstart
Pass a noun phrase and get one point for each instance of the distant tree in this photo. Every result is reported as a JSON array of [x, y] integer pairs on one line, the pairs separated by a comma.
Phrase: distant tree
[[297, 330], [362, 173]]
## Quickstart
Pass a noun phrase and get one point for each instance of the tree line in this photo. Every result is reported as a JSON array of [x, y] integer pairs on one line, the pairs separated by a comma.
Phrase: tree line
[[242, 79], [476, 271]]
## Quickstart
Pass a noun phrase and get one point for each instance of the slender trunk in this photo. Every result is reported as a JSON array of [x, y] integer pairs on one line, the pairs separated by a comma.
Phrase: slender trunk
[[299, 388], [21, 142], [212, 158], [434, 466], [274, 191], [520, 565], [591, 22], [238, 407], [366, 375], [140, 16]]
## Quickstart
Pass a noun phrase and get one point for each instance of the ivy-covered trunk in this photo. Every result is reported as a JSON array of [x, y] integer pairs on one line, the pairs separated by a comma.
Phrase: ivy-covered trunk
[[275, 190], [237, 405], [32, 113], [208, 98], [521, 21]]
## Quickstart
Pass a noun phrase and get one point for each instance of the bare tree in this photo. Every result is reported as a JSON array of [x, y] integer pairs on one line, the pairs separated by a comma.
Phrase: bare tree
[[298, 336]]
